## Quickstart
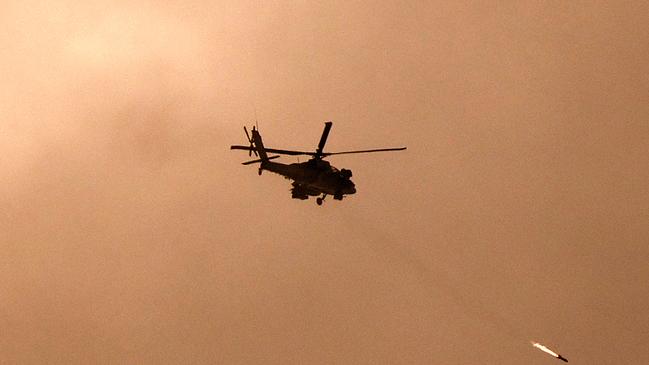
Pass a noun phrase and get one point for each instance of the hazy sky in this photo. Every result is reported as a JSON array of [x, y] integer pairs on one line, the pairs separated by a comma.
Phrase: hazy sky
[[132, 234]]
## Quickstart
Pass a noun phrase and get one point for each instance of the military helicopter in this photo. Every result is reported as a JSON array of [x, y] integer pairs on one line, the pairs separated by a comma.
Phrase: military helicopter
[[314, 177]]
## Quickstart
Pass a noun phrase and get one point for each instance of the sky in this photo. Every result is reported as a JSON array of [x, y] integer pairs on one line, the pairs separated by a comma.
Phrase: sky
[[132, 234]]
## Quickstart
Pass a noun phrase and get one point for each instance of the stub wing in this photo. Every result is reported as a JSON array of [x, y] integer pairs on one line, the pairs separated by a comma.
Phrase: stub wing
[[300, 191]]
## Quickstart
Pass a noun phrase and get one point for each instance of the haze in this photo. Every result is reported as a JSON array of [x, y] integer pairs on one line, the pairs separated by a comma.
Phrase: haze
[[131, 233]]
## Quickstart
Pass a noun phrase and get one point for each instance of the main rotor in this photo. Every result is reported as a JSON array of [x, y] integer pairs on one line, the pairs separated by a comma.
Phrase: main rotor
[[319, 152]]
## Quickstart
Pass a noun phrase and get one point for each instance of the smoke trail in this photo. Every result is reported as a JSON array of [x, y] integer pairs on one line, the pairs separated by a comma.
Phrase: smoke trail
[[435, 278]]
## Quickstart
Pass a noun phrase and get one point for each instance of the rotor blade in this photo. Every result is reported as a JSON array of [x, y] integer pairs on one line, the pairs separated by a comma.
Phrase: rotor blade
[[289, 152], [246, 148], [363, 151], [297, 153], [273, 150], [323, 139], [249, 140], [260, 160], [247, 135]]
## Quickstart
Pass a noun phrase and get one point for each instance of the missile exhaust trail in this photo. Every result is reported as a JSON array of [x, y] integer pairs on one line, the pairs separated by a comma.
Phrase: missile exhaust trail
[[547, 350]]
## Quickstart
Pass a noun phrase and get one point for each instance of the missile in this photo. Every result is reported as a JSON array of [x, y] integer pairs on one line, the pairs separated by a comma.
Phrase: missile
[[548, 351]]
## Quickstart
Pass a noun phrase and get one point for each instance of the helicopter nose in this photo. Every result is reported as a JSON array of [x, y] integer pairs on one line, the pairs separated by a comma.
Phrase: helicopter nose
[[351, 189]]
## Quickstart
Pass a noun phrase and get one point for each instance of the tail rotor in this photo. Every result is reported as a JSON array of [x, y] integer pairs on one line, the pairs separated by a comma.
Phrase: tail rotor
[[252, 144]]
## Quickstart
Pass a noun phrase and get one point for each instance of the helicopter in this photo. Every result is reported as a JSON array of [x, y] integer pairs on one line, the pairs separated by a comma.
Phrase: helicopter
[[315, 177]]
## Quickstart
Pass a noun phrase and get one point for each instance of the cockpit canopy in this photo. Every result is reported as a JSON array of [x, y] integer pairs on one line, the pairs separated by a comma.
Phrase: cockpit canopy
[[346, 173]]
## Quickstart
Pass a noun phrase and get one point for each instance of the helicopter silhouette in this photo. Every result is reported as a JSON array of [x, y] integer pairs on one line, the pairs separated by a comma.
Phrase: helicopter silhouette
[[315, 177]]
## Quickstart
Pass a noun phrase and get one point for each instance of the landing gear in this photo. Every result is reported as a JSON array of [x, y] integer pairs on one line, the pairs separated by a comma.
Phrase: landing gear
[[259, 172], [320, 200]]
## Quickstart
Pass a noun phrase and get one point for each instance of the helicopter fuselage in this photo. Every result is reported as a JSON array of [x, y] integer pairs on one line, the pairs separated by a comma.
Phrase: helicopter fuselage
[[313, 178]]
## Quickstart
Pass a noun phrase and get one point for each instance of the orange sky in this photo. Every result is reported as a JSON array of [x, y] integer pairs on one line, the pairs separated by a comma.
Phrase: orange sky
[[132, 234]]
